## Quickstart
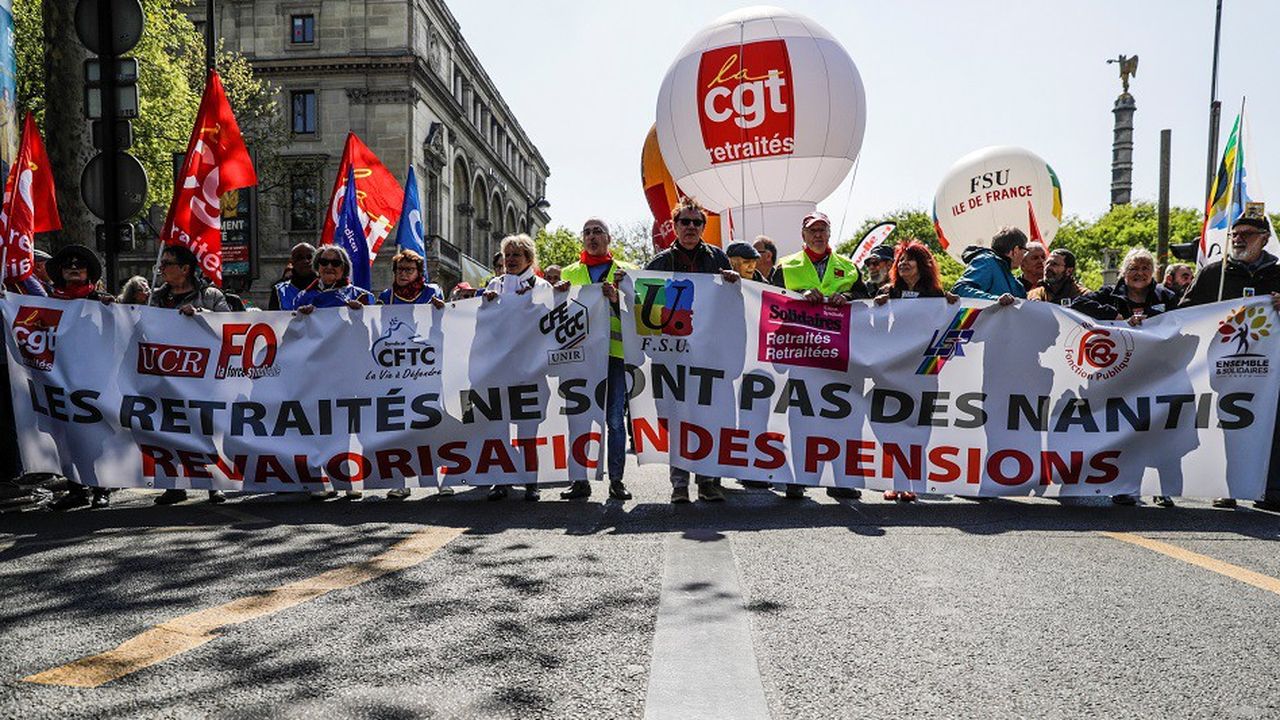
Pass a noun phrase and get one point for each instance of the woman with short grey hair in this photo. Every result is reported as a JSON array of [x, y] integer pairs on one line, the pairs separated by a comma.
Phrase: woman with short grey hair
[[332, 287]]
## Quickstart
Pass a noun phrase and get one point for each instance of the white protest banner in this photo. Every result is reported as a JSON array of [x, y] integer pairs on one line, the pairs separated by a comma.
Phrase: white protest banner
[[746, 381], [493, 392]]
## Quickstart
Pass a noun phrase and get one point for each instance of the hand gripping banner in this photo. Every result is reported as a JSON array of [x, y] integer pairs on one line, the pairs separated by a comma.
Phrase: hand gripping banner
[[743, 380], [499, 392]]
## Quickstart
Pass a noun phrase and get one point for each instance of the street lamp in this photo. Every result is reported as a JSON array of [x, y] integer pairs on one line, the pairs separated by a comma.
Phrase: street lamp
[[541, 203]]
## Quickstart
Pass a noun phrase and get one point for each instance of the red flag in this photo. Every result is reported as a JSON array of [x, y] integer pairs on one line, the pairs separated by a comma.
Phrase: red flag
[[30, 203], [1035, 226], [217, 162], [379, 196]]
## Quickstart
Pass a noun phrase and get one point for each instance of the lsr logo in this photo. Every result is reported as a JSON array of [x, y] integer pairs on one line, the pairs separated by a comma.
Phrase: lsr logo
[[248, 351], [745, 100], [665, 309], [35, 330]]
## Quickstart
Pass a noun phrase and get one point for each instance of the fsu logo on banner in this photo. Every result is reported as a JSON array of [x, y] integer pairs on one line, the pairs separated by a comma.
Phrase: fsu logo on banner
[[745, 94]]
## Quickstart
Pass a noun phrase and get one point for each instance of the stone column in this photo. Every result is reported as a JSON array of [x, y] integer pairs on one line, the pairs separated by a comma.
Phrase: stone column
[[1122, 150]]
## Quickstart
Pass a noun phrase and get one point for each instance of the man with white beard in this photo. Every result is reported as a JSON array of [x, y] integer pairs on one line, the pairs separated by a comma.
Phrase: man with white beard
[[1250, 271]]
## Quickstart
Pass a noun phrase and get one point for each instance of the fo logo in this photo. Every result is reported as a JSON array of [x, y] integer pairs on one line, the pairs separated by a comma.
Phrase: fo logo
[[567, 325], [666, 307], [1097, 353], [745, 98], [248, 351], [1243, 330], [35, 330], [949, 342]]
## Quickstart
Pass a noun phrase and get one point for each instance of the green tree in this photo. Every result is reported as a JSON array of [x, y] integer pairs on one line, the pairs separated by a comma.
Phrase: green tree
[[560, 246], [171, 60], [1119, 229]]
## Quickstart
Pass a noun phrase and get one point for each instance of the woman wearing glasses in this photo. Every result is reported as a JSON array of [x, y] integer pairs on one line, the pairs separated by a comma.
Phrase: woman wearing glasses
[[410, 286], [332, 287]]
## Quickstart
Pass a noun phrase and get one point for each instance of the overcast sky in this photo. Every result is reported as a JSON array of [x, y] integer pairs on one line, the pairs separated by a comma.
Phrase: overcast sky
[[942, 79]]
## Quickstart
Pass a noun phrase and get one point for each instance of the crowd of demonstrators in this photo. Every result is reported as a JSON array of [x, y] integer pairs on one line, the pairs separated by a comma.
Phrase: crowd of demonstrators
[[1031, 269], [768, 255], [690, 254], [1134, 296], [597, 266], [745, 261], [1248, 270], [823, 277], [1059, 285], [988, 272]]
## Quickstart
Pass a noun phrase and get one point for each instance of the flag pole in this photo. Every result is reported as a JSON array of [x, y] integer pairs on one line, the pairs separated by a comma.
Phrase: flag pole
[[1235, 175], [1215, 107]]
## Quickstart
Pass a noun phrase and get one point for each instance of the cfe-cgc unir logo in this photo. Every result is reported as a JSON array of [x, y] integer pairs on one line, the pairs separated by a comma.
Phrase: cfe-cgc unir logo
[[248, 351], [746, 102], [567, 325], [35, 330]]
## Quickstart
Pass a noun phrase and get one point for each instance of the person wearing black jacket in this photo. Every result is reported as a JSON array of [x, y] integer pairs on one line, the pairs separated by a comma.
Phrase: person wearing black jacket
[[689, 254], [1250, 271], [1134, 296]]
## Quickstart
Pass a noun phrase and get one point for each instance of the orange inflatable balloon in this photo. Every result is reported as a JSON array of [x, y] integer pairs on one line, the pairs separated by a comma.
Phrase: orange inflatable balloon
[[663, 195]]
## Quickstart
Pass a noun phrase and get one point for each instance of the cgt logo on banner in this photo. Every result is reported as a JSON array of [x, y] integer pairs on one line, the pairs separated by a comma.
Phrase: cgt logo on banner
[[403, 353], [1097, 353], [949, 342], [794, 331], [172, 360], [567, 324], [1247, 328], [745, 94], [241, 341], [664, 308], [35, 329]]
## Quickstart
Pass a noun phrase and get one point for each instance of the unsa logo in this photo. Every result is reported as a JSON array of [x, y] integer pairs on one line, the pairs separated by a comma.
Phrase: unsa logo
[[745, 101]]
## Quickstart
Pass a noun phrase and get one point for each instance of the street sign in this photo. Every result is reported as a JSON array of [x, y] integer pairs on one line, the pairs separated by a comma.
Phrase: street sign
[[123, 131], [126, 25], [126, 71], [124, 237], [130, 185], [126, 102]]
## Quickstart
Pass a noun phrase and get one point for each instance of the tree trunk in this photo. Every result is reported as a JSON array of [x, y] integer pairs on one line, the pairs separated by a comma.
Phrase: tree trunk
[[66, 132]]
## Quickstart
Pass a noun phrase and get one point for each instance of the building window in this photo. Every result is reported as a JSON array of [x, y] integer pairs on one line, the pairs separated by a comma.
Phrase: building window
[[304, 204], [303, 29], [304, 112]]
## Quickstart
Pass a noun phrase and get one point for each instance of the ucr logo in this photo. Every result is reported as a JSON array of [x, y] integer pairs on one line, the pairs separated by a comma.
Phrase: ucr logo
[[35, 330], [172, 360], [745, 97]]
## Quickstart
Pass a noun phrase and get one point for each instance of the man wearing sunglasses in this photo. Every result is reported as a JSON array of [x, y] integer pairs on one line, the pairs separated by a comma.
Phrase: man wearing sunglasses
[[1249, 270], [689, 254], [821, 276]]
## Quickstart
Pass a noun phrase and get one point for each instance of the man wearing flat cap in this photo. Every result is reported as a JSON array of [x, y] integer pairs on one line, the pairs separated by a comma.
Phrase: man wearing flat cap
[[877, 265], [824, 277], [745, 260], [1248, 270]]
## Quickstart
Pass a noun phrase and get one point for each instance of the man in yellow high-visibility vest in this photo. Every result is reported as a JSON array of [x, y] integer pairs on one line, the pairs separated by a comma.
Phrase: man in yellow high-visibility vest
[[823, 277], [597, 265]]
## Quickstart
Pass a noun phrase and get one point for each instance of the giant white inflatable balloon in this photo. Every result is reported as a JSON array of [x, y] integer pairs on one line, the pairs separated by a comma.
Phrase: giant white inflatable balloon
[[762, 113], [994, 187]]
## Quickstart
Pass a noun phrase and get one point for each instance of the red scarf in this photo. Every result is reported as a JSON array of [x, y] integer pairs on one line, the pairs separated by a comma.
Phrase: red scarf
[[410, 293], [815, 257], [79, 292], [594, 260]]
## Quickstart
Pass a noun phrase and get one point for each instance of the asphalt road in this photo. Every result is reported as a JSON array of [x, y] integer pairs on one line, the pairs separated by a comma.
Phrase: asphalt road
[[270, 607]]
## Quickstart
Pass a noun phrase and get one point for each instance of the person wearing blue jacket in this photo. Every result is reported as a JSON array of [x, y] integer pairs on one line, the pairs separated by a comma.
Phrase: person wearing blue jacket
[[988, 274]]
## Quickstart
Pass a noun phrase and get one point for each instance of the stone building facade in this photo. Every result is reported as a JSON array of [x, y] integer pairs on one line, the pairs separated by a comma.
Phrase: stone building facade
[[400, 75]]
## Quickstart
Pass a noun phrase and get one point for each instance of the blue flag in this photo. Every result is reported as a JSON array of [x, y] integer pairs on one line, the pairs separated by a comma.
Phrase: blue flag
[[409, 235], [349, 233]]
